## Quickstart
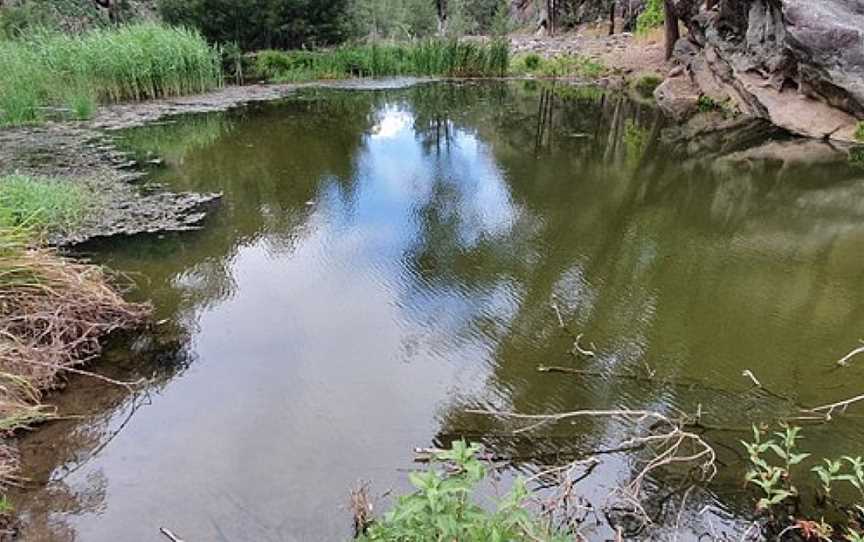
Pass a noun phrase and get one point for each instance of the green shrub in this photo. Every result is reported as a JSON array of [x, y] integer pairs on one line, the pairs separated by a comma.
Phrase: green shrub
[[706, 104], [134, 62], [442, 507], [43, 204], [646, 84], [571, 65], [533, 61], [651, 17]]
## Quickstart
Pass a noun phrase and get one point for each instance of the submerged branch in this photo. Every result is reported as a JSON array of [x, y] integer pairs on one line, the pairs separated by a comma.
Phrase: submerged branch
[[844, 361], [825, 412]]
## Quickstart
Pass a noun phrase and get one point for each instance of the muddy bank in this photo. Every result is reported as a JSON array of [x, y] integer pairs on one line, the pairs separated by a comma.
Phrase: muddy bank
[[87, 153]]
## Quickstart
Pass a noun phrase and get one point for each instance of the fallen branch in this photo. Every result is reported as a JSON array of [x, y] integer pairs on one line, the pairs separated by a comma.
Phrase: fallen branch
[[577, 349]]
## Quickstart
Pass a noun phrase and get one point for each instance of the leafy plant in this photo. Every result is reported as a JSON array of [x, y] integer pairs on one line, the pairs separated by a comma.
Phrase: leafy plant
[[833, 471], [442, 507], [774, 480]]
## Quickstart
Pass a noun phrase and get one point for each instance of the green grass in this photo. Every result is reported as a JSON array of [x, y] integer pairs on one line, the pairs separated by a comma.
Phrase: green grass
[[45, 69], [557, 66], [451, 58], [41, 204], [859, 132]]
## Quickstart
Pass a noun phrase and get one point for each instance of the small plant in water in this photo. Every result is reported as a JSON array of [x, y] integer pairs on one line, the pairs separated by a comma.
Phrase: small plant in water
[[832, 471], [775, 481], [442, 508]]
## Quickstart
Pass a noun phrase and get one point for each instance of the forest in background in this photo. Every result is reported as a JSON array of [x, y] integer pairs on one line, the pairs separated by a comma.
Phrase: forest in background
[[290, 24]]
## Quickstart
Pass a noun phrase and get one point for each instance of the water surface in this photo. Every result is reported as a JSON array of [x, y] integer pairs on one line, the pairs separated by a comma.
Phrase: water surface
[[382, 261]]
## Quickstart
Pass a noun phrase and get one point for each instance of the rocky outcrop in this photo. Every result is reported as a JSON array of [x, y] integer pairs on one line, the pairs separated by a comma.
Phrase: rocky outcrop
[[796, 63]]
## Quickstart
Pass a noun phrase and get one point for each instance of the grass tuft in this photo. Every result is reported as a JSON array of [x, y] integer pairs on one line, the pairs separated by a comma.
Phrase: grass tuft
[[40, 203]]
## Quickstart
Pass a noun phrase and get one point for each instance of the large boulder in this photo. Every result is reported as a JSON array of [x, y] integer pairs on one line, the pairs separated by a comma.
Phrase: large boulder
[[797, 63]]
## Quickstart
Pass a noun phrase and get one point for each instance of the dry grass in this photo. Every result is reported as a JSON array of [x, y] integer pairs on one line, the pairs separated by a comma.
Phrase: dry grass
[[53, 314]]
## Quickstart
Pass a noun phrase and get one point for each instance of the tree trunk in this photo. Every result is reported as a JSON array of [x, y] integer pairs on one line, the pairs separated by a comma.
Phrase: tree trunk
[[672, 32], [441, 9], [612, 18]]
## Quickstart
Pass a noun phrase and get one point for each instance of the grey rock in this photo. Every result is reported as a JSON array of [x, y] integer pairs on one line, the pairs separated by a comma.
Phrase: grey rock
[[797, 63]]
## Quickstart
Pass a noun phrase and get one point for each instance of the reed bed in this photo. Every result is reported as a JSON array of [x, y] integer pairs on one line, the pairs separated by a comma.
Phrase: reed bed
[[451, 58], [45, 70]]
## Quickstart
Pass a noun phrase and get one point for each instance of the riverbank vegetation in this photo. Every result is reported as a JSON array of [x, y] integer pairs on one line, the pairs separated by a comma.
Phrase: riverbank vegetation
[[451, 58], [54, 312], [48, 72], [445, 507]]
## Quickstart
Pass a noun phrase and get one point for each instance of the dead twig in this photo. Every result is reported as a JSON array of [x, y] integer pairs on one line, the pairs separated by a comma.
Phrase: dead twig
[[826, 412], [665, 437], [361, 508], [169, 535], [844, 361], [577, 348]]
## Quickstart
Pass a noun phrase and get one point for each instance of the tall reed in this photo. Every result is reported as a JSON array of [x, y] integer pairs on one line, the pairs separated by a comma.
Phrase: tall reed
[[135, 62], [451, 58]]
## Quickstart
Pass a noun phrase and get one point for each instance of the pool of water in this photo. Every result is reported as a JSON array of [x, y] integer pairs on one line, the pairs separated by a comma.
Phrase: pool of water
[[383, 261]]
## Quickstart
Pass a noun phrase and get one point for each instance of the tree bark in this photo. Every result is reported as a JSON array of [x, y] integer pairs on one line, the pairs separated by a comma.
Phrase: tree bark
[[612, 18], [672, 31], [441, 9]]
